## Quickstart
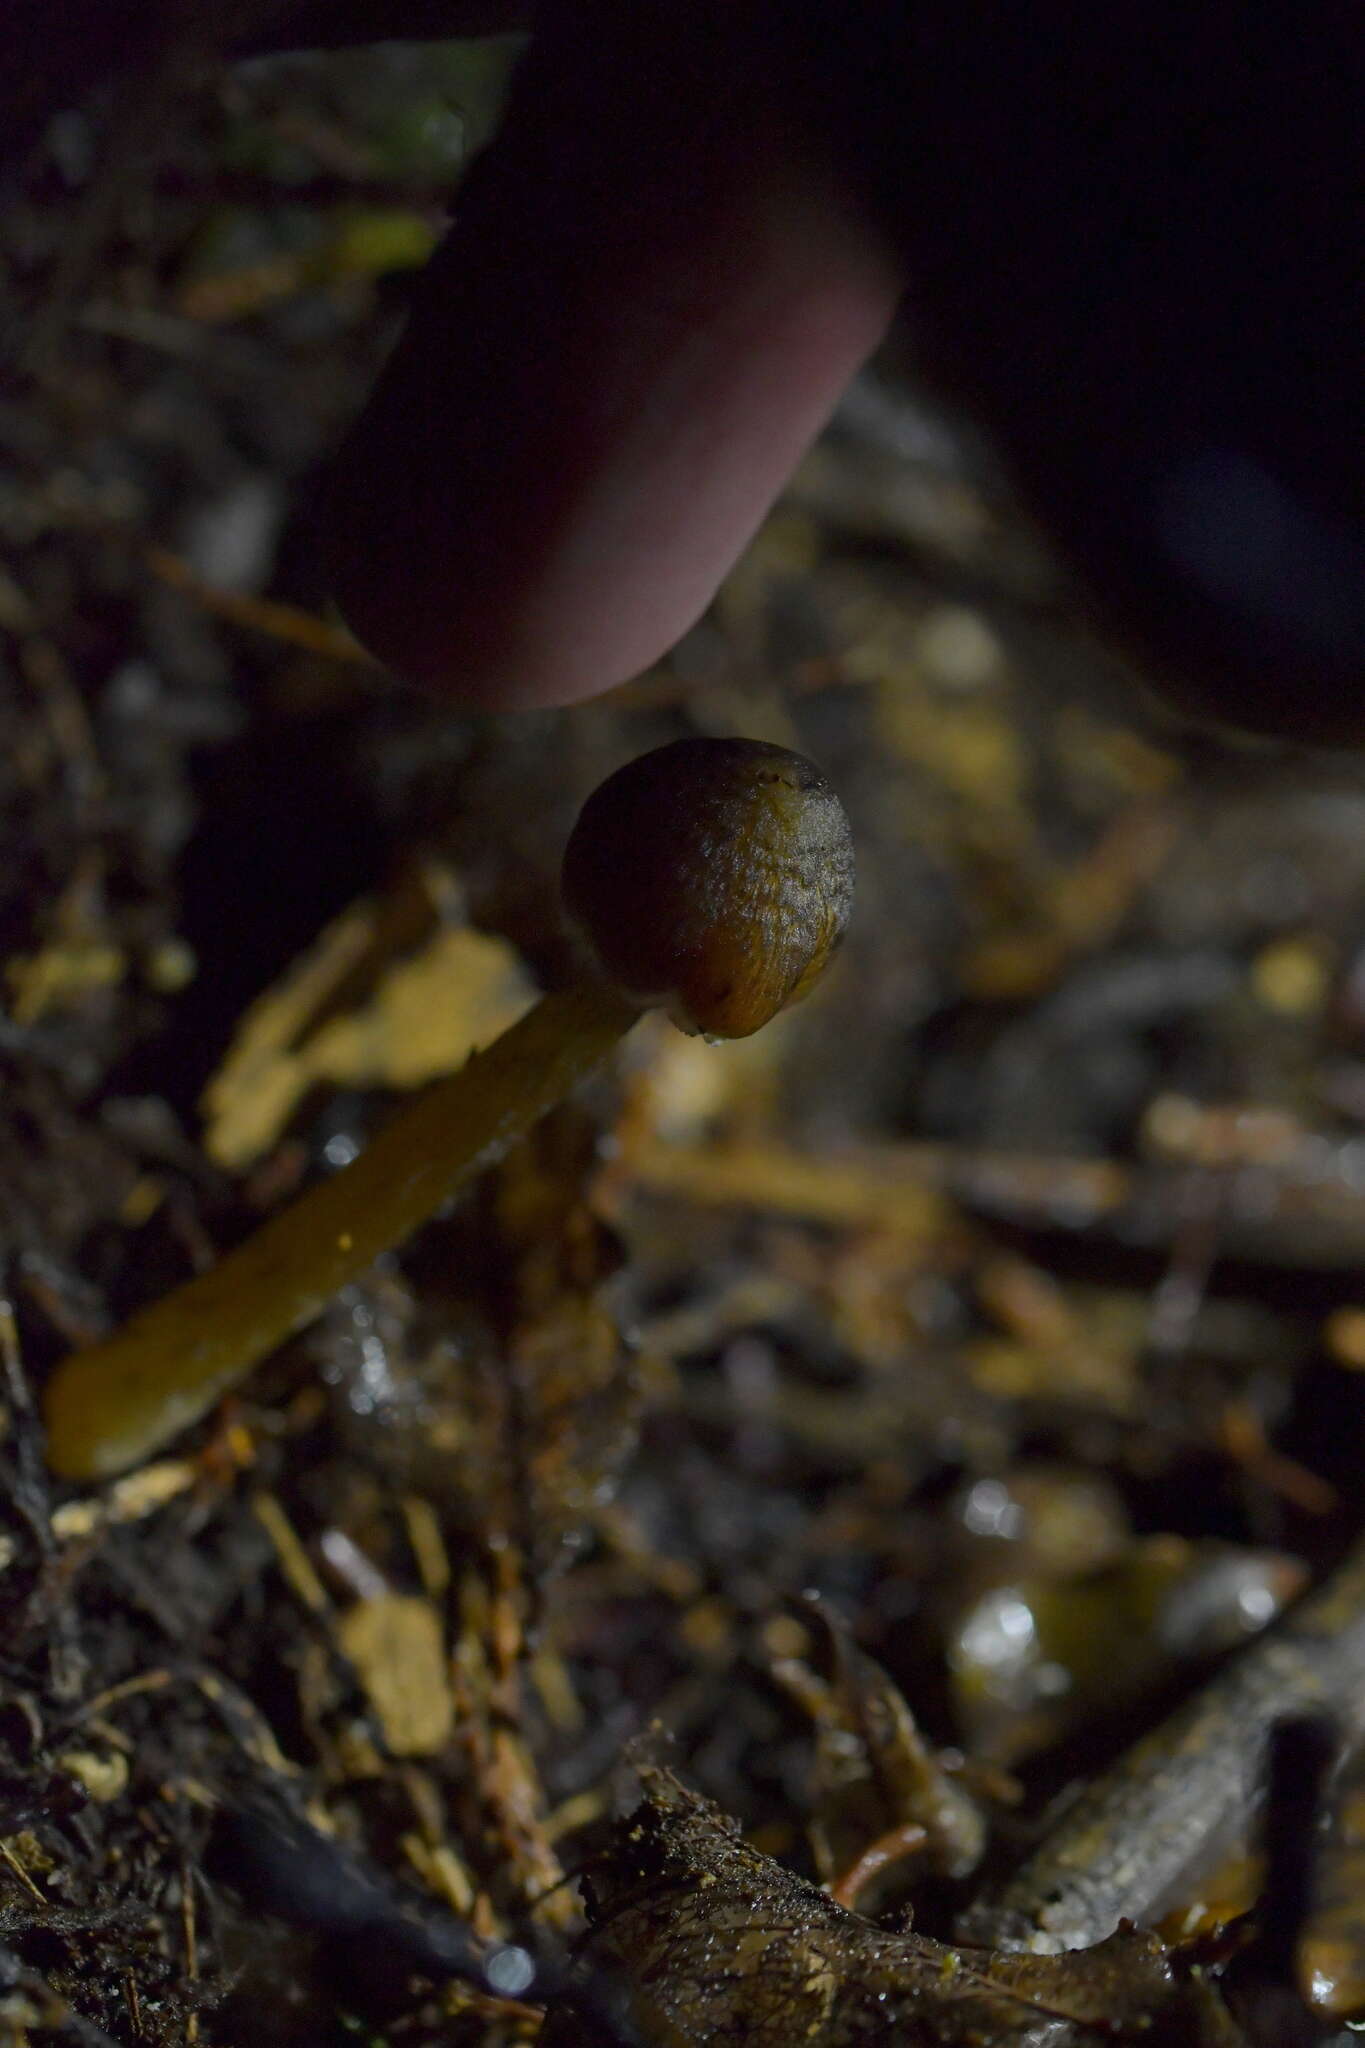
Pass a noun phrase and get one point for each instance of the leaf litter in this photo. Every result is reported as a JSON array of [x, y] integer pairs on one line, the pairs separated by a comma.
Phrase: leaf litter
[[1020, 1269]]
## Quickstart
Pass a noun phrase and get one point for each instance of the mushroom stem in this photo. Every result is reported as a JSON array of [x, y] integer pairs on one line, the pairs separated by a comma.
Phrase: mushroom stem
[[116, 1403], [716, 874]]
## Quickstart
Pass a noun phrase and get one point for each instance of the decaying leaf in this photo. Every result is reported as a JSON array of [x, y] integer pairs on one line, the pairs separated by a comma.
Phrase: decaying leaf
[[396, 991], [696, 1939], [1035, 1655], [396, 1644]]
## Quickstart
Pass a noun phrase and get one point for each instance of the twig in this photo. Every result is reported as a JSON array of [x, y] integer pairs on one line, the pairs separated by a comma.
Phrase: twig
[[1136, 1832]]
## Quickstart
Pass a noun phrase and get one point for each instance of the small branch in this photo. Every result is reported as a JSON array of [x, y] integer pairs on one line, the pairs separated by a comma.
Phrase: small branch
[[1126, 1844]]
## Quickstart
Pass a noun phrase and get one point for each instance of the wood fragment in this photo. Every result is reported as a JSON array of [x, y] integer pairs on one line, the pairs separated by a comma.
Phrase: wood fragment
[[1171, 1802]]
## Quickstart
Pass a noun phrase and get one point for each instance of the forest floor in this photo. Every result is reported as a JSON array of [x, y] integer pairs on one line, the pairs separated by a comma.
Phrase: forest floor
[[998, 1313]]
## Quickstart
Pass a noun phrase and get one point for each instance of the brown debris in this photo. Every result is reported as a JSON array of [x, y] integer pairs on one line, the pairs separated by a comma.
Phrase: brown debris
[[697, 1939]]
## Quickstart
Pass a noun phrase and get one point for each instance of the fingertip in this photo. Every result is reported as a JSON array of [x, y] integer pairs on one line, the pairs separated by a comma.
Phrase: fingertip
[[647, 307]]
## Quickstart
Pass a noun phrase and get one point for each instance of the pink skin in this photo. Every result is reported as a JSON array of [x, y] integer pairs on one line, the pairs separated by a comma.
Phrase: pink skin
[[648, 305]]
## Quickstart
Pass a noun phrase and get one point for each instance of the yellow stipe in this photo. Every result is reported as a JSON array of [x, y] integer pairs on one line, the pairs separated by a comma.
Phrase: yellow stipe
[[116, 1403]]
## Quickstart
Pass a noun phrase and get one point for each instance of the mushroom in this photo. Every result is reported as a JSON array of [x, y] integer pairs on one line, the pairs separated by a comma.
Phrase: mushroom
[[711, 877]]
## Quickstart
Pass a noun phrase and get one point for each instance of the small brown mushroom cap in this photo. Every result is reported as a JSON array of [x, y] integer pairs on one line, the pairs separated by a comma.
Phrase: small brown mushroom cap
[[713, 878]]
